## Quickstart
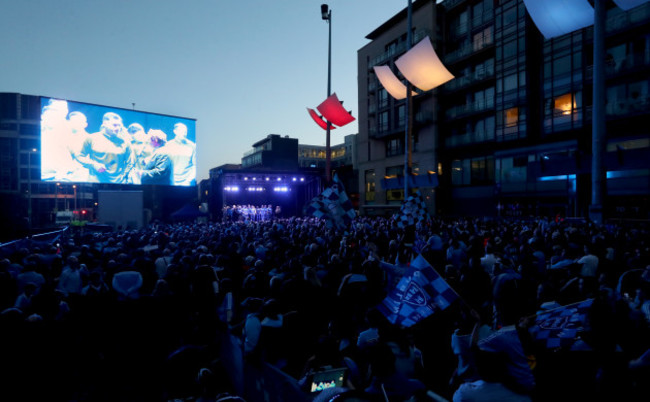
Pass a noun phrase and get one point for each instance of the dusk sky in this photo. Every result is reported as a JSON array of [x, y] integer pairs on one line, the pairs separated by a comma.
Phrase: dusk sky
[[242, 69]]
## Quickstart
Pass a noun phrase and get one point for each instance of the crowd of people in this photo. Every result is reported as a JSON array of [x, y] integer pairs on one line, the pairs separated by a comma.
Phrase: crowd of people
[[148, 314], [249, 212], [115, 153]]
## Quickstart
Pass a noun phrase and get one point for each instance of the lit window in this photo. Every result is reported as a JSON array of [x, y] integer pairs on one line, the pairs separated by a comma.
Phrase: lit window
[[563, 105], [512, 117]]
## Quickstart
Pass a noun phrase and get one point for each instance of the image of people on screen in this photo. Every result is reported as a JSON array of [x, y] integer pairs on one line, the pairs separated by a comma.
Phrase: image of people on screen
[[57, 162], [107, 154], [120, 149], [157, 167], [182, 152]]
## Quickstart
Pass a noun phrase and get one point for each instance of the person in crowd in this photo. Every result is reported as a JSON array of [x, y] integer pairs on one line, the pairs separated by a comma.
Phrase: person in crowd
[[322, 282], [73, 278]]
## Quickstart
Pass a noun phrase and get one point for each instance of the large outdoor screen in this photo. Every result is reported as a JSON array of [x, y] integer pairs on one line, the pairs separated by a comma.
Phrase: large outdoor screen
[[87, 143]]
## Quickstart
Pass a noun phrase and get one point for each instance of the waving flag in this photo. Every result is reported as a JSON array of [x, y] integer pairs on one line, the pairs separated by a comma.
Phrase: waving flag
[[420, 293], [561, 327], [413, 210], [332, 205]]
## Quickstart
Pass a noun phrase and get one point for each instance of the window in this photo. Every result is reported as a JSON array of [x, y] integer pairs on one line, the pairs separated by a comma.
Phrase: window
[[401, 115], [383, 121], [394, 196], [511, 117], [482, 39], [563, 105], [513, 170], [482, 171], [394, 171], [562, 65], [563, 111], [31, 107], [509, 49], [29, 129], [370, 185], [460, 172], [510, 82], [510, 16], [29, 144], [477, 171], [629, 144], [394, 146], [382, 97], [391, 48]]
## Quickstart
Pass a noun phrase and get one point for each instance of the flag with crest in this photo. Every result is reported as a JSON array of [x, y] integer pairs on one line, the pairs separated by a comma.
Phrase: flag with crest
[[420, 293], [412, 211], [561, 327], [332, 205]]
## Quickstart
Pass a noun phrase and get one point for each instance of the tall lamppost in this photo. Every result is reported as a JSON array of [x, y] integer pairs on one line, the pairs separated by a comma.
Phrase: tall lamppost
[[56, 198], [326, 14], [29, 187], [74, 187]]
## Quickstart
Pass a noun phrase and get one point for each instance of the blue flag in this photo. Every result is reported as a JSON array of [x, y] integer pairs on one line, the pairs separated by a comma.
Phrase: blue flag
[[420, 293], [332, 205], [412, 211], [561, 327]]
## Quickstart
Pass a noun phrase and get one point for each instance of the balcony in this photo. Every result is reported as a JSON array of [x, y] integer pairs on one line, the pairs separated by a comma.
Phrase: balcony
[[468, 138], [450, 4], [468, 49], [616, 67], [470, 108], [465, 81], [398, 50]]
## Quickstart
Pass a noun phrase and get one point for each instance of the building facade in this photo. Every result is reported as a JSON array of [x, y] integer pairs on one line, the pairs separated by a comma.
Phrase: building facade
[[513, 130], [517, 131], [272, 152], [383, 119]]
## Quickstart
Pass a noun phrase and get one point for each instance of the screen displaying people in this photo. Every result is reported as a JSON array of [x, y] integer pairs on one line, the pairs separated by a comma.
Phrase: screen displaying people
[[96, 144]]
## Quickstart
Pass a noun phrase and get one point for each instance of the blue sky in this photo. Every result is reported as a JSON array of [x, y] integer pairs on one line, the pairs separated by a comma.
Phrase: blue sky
[[242, 69]]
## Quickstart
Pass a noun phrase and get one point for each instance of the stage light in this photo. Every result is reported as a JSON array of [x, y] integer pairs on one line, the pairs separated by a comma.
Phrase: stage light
[[267, 179], [254, 178], [390, 82], [282, 189], [245, 178], [422, 66], [302, 179], [279, 179], [294, 179]]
